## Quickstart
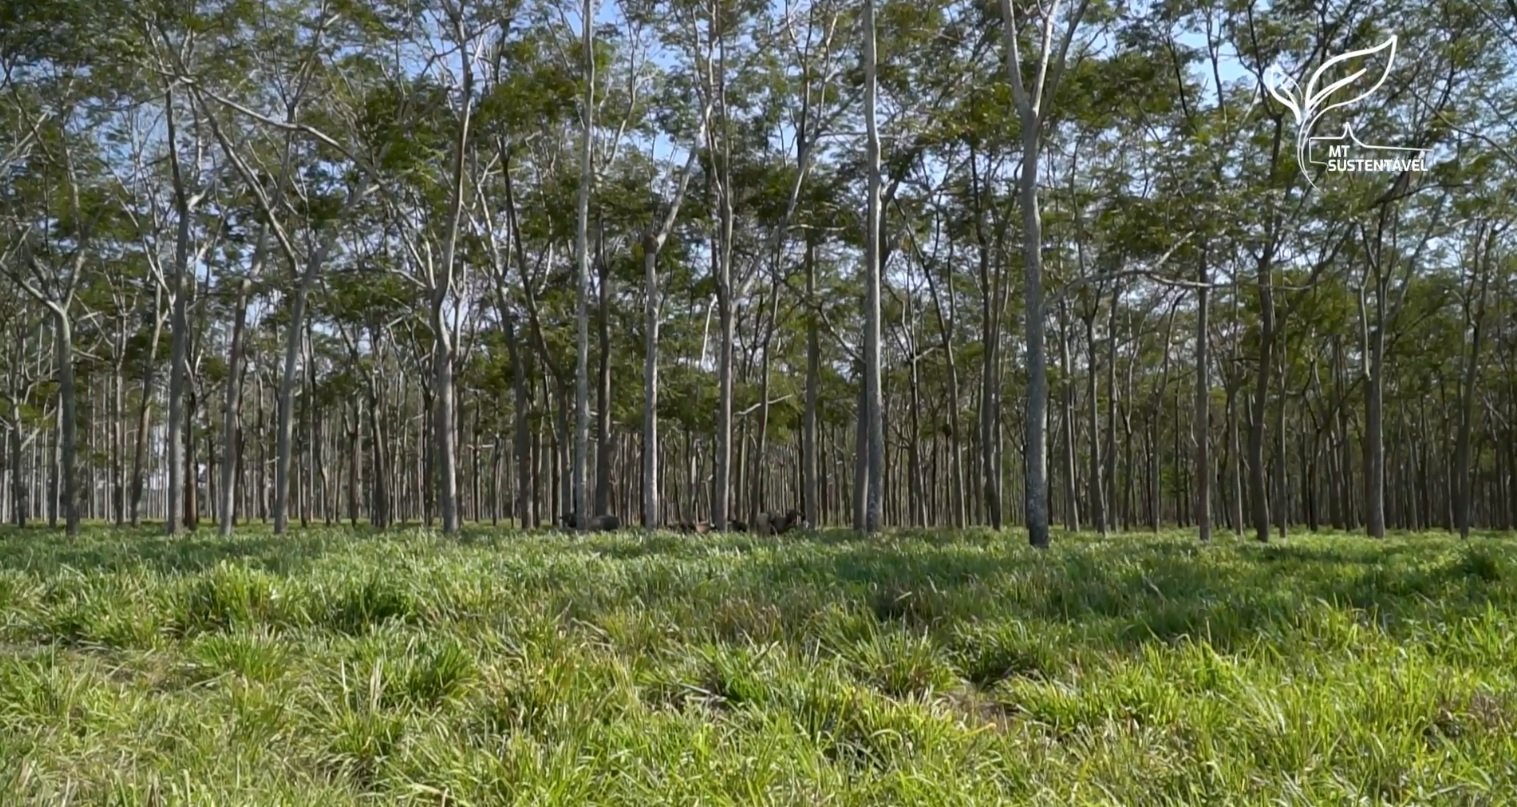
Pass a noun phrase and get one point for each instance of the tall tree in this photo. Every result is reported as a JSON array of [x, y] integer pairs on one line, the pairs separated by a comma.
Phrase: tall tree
[[1032, 99]]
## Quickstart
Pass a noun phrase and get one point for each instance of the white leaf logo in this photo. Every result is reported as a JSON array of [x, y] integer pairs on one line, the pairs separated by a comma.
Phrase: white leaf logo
[[1275, 78], [1307, 105]]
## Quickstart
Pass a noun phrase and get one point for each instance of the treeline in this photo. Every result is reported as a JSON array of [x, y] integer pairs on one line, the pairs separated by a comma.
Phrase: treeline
[[890, 263]]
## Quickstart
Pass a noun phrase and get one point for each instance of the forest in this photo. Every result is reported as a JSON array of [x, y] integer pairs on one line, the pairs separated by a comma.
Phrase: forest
[[758, 402], [913, 264]]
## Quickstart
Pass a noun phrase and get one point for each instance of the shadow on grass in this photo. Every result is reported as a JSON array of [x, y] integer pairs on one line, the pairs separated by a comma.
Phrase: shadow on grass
[[1137, 591], [45, 551], [1130, 590]]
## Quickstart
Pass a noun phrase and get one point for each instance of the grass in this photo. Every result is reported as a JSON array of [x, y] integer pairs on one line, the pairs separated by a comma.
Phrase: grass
[[339, 667]]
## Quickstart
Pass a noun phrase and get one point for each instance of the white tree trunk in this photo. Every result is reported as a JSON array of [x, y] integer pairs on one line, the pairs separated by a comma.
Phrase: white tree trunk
[[873, 396], [226, 507], [582, 259]]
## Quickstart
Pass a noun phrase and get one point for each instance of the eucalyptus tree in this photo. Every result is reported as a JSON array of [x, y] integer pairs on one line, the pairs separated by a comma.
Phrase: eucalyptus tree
[[184, 147], [58, 193], [712, 34], [652, 241], [1031, 99], [340, 175], [581, 499], [873, 396], [465, 28]]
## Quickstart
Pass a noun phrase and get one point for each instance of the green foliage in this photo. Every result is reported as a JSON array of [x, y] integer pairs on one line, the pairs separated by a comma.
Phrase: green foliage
[[923, 668]]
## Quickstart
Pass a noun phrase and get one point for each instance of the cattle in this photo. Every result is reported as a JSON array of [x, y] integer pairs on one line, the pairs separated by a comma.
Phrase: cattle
[[601, 523], [777, 523]]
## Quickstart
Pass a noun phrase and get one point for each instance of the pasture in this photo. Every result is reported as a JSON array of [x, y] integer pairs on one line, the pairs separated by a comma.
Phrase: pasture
[[339, 666]]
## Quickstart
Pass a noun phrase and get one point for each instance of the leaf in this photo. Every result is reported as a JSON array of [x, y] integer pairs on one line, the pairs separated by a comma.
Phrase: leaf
[[1274, 79], [1315, 97]]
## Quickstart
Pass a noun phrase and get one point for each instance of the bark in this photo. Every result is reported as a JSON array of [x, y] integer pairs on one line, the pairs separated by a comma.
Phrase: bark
[[1036, 467], [1109, 454], [285, 427], [63, 329], [1201, 426], [145, 405], [1474, 315], [118, 433], [1029, 103], [191, 462], [1257, 482], [956, 460], [1373, 378], [604, 440], [873, 397], [20, 490], [445, 433], [916, 497], [231, 413], [809, 467], [721, 476], [860, 488], [355, 462], [1071, 499], [581, 507], [652, 504], [381, 508], [990, 380], [1097, 492], [760, 454], [1282, 479], [521, 448]]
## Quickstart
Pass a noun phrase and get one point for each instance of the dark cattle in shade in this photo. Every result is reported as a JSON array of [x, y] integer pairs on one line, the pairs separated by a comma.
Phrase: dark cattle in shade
[[602, 523], [776, 523]]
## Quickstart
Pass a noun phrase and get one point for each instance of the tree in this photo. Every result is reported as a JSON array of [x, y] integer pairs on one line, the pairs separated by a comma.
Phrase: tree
[[1032, 112], [582, 260], [873, 396]]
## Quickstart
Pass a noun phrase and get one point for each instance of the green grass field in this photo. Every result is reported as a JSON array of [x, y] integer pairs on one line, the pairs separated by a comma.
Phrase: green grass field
[[334, 667]]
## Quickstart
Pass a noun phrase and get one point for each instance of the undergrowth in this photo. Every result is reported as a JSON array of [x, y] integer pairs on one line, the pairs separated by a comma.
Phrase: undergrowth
[[339, 667]]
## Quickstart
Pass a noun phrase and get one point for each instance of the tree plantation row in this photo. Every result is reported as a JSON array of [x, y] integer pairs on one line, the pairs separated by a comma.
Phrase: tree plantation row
[[885, 263]]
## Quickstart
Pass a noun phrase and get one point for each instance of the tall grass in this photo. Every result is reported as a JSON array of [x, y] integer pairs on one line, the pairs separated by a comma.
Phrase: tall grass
[[340, 667]]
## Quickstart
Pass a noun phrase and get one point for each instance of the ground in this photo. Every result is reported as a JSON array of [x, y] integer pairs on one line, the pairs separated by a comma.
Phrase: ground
[[336, 667]]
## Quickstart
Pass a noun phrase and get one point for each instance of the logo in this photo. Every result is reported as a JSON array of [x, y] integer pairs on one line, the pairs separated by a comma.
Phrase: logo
[[1343, 152]]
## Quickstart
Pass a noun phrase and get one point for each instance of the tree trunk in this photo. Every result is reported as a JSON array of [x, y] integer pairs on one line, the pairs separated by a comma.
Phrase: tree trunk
[[1109, 454], [1257, 476], [191, 464], [230, 425], [1071, 480], [581, 506], [1201, 427], [1036, 463], [521, 448], [1374, 430], [1097, 493], [1282, 479], [381, 508], [861, 460], [1475, 317], [68, 414], [652, 515], [873, 396], [118, 435], [809, 467], [721, 473], [355, 463], [756, 485], [144, 407]]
